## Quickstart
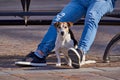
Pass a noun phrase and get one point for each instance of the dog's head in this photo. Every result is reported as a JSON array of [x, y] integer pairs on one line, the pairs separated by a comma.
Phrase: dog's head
[[63, 27]]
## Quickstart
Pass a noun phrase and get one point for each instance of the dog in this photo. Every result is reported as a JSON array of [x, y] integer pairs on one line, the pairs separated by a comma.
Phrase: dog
[[65, 40]]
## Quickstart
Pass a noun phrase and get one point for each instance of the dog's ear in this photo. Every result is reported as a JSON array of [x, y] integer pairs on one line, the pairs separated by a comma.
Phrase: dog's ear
[[70, 24], [56, 24]]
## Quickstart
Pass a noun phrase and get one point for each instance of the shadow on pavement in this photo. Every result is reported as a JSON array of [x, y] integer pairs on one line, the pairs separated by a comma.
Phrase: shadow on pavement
[[8, 62]]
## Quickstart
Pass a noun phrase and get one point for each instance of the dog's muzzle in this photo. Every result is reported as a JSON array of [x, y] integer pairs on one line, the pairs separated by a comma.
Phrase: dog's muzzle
[[62, 33]]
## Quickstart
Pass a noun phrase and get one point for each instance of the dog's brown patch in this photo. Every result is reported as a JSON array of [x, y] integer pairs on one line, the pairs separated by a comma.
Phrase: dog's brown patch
[[63, 26]]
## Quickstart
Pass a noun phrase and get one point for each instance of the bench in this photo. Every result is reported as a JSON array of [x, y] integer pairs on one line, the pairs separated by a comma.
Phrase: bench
[[26, 13]]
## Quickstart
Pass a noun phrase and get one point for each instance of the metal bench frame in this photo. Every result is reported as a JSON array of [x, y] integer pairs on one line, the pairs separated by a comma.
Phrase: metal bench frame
[[26, 13]]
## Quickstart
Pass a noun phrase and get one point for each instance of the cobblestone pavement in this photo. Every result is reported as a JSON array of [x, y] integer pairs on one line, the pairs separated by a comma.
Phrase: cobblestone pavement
[[17, 41], [61, 74]]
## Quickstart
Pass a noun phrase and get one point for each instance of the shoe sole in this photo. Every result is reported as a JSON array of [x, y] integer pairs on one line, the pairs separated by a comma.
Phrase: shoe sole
[[74, 56], [20, 63]]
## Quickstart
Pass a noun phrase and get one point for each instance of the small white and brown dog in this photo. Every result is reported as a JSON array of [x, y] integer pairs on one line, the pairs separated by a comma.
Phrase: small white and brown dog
[[65, 40]]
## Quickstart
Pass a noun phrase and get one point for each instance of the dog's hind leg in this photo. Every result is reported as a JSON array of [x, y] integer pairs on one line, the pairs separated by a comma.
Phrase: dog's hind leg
[[83, 62], [68, 60]]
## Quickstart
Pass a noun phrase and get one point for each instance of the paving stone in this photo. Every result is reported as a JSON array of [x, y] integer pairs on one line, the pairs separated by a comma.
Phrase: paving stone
[[62, 74]]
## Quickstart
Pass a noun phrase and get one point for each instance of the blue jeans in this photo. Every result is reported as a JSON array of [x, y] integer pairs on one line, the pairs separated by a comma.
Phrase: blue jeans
[[93, 10]]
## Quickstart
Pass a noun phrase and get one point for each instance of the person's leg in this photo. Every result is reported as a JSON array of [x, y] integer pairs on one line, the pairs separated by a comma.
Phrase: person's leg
[[95, 11], [71, 13]]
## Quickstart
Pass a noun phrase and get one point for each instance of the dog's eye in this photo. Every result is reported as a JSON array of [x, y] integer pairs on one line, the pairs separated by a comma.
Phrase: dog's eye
[[65, 27]]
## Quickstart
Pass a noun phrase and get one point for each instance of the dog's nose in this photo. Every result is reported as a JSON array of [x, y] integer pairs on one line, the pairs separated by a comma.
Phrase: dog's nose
[[62, 33]]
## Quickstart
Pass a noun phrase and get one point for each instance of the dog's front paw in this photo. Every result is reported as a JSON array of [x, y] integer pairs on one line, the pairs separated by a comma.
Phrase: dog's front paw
[[69, 64], [58, 64]]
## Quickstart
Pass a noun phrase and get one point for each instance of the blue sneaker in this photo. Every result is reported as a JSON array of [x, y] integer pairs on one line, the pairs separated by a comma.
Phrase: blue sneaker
[[32, 60], [75, 56]]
